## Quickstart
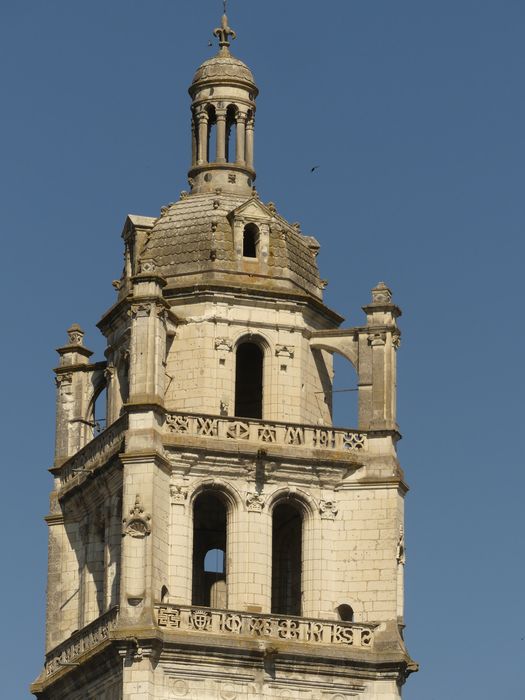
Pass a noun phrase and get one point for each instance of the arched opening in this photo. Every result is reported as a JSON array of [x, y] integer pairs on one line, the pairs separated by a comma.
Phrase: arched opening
[[287, 552], [250, 241], [231, 133], [344, 393], [211, 147], [345, 613], [209, 584], [97, 411], [249, 381]]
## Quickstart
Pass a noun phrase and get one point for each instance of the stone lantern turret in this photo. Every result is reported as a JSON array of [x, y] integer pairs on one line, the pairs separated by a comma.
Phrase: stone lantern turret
[[223, 95]]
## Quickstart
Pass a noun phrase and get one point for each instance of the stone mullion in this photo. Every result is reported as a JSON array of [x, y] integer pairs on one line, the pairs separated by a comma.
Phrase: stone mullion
[[249, 142], [220, 153], [180, 547], [241, 139], [311, 574], [193, 143], [202, 120]]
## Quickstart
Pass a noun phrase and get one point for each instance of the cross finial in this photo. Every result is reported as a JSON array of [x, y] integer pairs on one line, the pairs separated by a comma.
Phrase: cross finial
[[224, 31]]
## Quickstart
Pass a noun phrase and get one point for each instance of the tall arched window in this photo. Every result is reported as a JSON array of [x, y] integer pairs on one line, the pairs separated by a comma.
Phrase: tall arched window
[[231, 133], [287, 552], [250, 241], [249, 381], [209, 583]]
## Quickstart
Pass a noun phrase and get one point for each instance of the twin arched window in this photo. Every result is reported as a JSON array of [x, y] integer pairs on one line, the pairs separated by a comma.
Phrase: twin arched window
[[210, 574]]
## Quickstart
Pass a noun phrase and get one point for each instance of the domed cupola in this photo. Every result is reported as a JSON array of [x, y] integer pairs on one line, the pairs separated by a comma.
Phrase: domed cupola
[[223, 95]]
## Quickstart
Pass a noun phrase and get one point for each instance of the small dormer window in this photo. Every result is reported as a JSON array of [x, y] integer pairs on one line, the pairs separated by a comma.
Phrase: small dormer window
[[250, 241]]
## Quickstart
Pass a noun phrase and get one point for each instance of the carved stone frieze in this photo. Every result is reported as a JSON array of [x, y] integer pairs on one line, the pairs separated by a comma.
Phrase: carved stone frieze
[[265, 626]]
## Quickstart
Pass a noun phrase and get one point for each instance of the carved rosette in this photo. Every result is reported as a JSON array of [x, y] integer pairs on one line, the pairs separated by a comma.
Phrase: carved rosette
[[255, 502], [138, 523], [328, 509]]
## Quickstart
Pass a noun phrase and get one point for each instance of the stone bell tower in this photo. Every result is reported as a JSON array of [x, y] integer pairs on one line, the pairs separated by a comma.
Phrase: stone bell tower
[[217, 536]]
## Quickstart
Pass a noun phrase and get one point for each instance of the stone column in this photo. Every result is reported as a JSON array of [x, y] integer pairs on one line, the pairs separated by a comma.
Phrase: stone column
[[241, 138], [202, 120], [220, 155], [250, 124], [193, 143]]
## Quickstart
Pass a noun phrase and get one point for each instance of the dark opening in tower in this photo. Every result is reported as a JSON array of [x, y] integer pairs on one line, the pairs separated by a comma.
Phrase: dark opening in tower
[[287, 535], [209, 587], [249, 381], [250, 241], [231, 134]]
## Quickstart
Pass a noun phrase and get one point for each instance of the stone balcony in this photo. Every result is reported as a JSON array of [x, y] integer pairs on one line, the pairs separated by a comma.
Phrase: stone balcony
[[283, 628], [266, 434], [210, 621], [201, 429], [83, 641]]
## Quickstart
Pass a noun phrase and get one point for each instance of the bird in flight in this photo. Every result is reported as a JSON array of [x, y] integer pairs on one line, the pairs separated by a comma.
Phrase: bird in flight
[[314, 168]]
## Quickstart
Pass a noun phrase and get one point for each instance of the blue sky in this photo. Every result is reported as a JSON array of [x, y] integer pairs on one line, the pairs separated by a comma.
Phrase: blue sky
[[414, 112]]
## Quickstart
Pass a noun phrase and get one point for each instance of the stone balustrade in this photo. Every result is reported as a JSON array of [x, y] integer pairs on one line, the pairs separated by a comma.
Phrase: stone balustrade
[[277, 627], [109, 442], [68, 652], [266, 433]]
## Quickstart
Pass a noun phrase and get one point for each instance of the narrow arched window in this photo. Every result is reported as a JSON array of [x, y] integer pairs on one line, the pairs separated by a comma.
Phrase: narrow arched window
[[212, 135], [209, 584], [345, 613], [250, 241], [249, 381], [231, 133], [287, 536]]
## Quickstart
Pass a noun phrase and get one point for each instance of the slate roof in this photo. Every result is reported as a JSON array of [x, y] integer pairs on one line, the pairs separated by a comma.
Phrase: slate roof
[[194, 237]]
